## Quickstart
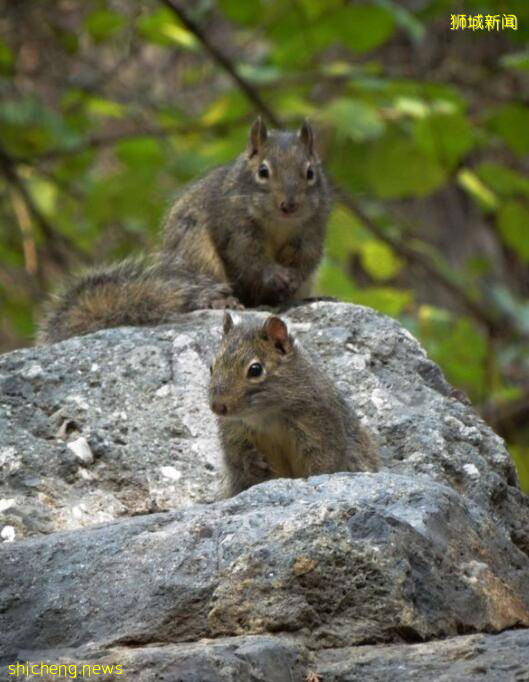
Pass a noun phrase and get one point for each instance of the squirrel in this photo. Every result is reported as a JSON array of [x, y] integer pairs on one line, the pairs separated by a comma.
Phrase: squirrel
[[278, 414], [246, 234]]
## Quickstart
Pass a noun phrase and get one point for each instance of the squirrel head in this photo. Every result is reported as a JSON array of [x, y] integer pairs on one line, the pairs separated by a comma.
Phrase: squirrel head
[[251, 368], [285, 174]]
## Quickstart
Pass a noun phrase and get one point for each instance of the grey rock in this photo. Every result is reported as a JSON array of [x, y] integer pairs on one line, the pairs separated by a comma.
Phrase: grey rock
[[281, 658], [258, 658], [127, 554], [138, 397], [487, 658], [341, 560]]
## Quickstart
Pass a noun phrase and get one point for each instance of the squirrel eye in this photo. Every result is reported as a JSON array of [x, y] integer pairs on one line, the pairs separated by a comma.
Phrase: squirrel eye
[[263, 171], [310, 173], [211, 369], [255, 369]]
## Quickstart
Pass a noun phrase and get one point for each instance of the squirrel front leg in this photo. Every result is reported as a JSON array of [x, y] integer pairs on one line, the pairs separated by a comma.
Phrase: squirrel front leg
[[243, 464], [302, 255], [290, 274], [257, 278]]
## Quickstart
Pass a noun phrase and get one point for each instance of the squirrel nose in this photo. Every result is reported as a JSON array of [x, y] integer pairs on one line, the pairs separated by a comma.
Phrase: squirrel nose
[[218, 407], [289, 206]]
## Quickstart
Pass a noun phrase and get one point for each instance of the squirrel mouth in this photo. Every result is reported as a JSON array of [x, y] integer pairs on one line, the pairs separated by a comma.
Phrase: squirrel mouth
[[289, 208], [288, 215], [222, 411], [219, 408]]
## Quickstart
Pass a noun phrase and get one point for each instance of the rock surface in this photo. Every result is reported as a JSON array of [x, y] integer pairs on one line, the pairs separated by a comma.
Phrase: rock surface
[[344, 559], [114, 429], [280, 658], [137, 398], [492, 658]]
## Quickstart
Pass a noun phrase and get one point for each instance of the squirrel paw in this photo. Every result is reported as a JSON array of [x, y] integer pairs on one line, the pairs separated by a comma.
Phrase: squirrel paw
[[280, 281], [219, 296], [226, 302]]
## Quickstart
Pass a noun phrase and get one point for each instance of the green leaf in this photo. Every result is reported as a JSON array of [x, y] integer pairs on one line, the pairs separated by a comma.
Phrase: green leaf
[[44, 193], [513, 223], [437, 97], [103, 23], [517, 309], [379, 260], [405, 19], [162, 27], [239, 12], [360, 27], [347, 163], [353, 118], [520, 455], [457, 345], [19, 312], [259, 73], [410, 106], [27, 126], [470, 182], [386, 300], [297, 38], [516, 60], [396, 166], [503, 180], [7, 58], [332, 281], [68, 40], [100, 106], [345, 234], [512, 123], [224, 149], [141, 153], [231, 106], [445, 137], [126, 197], [294, 103]]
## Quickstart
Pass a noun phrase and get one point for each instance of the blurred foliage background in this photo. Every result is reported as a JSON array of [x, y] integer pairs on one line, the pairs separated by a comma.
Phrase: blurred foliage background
[[108, 106]]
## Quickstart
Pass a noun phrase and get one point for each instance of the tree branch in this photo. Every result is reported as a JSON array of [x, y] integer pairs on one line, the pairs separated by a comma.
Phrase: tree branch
[[107, 140], [28, 240], [57, 243], [220, 58], [94, 142]]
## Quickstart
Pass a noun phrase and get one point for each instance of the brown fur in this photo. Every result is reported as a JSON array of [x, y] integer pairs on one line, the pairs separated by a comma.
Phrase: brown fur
[[289, 422], [227, 243], [133, 292], [230, 224]]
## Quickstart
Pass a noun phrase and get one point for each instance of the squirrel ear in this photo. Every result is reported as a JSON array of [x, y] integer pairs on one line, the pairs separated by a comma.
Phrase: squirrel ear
[[306, 135], [275, 330], [258, 134], [227, 323]]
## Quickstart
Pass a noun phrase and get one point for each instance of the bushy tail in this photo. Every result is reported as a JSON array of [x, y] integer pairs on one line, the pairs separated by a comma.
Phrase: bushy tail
[[133, 292]]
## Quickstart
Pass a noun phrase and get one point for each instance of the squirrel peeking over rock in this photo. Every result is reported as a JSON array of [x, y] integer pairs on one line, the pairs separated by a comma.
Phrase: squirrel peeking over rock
[[278, 414]]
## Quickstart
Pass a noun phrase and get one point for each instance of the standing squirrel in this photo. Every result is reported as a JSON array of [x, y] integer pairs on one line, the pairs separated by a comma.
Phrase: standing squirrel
[[278, 414], [246, 234]]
